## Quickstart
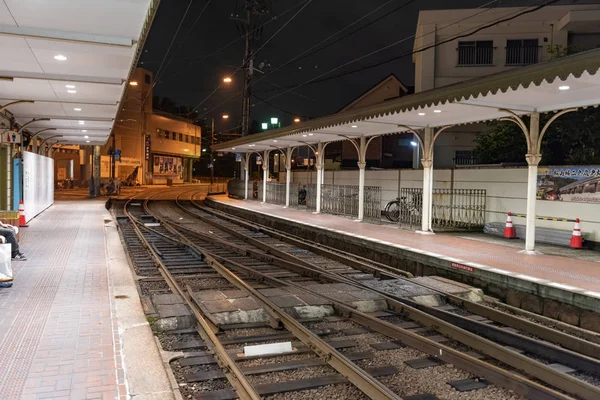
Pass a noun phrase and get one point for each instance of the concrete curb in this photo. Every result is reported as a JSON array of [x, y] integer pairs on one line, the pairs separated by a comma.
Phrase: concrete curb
[[146, 375]]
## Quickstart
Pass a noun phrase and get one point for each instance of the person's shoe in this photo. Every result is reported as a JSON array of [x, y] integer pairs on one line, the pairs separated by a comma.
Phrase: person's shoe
[[20, 257]]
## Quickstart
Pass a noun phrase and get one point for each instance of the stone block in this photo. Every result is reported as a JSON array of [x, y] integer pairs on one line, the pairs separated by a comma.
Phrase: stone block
[[218, 306], [532, 303], [172, 310], [245, 304], [514, 298], [166, 299], [551, 309], [287, 301], [207, 295], [569, 314], [590, 320], [313, 300]]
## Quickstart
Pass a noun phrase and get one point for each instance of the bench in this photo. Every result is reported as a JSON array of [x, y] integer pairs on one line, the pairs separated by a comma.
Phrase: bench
[[542, 235]]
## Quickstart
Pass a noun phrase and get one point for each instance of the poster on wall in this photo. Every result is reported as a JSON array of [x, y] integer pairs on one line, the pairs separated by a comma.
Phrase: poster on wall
[[165, 165], [574, 184]]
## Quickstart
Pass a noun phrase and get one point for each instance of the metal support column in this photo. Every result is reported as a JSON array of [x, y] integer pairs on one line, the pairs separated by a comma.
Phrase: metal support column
[[247, 174], [362, 164], [319, 167], [288, 175], [265, 166]]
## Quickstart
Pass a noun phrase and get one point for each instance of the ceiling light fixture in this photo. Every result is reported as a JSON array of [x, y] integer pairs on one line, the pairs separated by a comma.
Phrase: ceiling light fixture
[[421, 114], [81, 122], [72, 91], [355, 126], [87, 141], [70, 86], [86, 137], [133, 83], [274, 141], [304, 135], [77, 109], [437, 111], [60, 57], [564, 87], [233, 148], [84, 131], [310, 134]]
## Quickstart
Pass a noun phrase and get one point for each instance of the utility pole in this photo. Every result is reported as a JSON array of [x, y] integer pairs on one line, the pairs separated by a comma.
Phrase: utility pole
[[248, 72]]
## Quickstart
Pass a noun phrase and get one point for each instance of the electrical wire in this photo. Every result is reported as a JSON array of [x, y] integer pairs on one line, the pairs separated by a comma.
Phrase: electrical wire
[[256, 52], [470, 32]]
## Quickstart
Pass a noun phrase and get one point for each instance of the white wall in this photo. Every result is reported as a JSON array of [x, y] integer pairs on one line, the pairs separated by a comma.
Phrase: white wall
[[506, 190], [38, 183]]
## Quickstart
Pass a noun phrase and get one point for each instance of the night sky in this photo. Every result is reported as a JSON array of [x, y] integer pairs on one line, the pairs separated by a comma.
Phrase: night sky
[[190, 76]]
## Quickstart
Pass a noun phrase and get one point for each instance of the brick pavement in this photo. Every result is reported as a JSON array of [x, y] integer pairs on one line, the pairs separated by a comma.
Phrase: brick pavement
[[569, 272], [58, 338]]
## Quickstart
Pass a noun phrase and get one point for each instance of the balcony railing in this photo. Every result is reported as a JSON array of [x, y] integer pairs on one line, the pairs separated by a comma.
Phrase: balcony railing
[[522, 55], [475, 56]]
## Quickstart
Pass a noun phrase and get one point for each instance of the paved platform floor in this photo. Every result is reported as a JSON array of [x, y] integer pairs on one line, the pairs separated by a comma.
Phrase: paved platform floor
[[568, 272], [59, 330]]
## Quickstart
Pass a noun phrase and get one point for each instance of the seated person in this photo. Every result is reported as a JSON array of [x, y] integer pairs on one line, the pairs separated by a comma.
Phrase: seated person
[[10, 234]]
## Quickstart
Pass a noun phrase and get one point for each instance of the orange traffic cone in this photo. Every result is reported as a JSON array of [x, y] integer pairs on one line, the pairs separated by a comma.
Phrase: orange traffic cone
[[509, 230], [22, 220], [576, 239]]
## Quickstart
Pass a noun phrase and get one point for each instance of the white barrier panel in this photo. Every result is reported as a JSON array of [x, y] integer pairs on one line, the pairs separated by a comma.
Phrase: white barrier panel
[[38, 183]]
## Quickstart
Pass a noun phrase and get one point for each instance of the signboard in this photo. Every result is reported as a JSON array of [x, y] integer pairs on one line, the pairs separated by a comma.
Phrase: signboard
[[276, 163], [573, 184], [462, 267], [117, 155], [238, 157], [258, 160], [166, 165], [147, 147]]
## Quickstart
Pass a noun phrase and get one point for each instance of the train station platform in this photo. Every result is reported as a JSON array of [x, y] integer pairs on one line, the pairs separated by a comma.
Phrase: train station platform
[[571, 280], [72, 326]]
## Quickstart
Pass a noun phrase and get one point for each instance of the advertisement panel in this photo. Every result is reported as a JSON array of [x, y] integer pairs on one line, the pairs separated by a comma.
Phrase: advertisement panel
[[167, 165], [38, 183], [574, 184]]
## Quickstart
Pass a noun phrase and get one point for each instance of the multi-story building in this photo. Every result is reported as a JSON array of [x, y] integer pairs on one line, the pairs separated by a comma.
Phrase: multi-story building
[[163, 146], [442, 59]]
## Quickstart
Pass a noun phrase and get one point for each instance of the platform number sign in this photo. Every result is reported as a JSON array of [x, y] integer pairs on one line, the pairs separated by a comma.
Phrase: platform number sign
[[147, 147]]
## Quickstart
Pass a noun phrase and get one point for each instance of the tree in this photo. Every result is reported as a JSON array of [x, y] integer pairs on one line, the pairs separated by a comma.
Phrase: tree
[[571, 139]]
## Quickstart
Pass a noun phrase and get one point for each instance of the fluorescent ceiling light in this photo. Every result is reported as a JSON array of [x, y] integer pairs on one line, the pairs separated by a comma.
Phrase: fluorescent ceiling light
[[72, 91], [77, 109], [60, 57]]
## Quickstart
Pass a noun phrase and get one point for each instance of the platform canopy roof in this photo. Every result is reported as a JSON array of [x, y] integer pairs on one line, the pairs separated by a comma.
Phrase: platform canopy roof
[[563, 83], [73, 59]]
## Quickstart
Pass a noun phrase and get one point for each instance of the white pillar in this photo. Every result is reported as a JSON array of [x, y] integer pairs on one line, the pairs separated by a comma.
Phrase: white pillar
[[362, 163], [265, 165], [533, 159], [427, 162], [247, 178], [319, 166], [361, 190], [288, 175]]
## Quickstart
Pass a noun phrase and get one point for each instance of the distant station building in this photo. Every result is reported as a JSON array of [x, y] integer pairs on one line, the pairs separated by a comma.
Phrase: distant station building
[[162, 145]]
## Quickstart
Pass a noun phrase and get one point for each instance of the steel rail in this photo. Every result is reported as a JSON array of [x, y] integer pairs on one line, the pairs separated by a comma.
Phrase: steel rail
[[234, 375], [565, 340], [355, 375], [503, 378], [532, 367]]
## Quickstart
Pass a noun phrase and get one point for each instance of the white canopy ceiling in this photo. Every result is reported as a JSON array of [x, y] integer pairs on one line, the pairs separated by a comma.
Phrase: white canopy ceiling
[[73, 59], [564, 83]]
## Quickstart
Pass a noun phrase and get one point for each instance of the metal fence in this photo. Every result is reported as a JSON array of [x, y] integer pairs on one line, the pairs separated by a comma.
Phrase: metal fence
[[411, 206], [343, 200], [294, 189], [459, 208], [235, 188], [275, 192], [452, 208], [310, 197]]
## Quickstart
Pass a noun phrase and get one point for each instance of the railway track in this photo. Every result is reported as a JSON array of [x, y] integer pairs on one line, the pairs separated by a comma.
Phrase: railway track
[[198, 252]]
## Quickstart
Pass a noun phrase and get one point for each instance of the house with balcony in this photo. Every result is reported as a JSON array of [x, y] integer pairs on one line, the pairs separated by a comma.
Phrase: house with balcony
[[450, 47]]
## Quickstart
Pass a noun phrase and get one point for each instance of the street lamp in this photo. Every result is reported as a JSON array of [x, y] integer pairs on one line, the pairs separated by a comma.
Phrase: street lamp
[[296, 120], [227, 80], [274, 121], [225, 116], [265, 126]]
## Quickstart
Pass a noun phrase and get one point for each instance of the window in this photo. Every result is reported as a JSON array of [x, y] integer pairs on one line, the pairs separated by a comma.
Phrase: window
[[181, 137], [166, 134], [464, 157], [158, 133], [522, 52], [476, 53], [147, 79], [174, 136], [187, 138]]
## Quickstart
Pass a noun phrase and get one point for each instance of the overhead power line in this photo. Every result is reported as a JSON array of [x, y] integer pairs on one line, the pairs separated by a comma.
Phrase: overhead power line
[[470, 32]]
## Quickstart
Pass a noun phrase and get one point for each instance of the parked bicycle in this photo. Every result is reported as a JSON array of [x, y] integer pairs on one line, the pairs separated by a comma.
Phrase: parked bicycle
[[401, 205]]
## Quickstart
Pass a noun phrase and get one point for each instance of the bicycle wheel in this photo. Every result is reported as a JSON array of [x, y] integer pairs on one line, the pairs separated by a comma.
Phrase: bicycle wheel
[[392, 211]]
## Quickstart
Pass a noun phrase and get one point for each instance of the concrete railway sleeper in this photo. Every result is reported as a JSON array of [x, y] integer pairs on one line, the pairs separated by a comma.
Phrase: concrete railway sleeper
[[562, 381], [574, 343], [350, 371]]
